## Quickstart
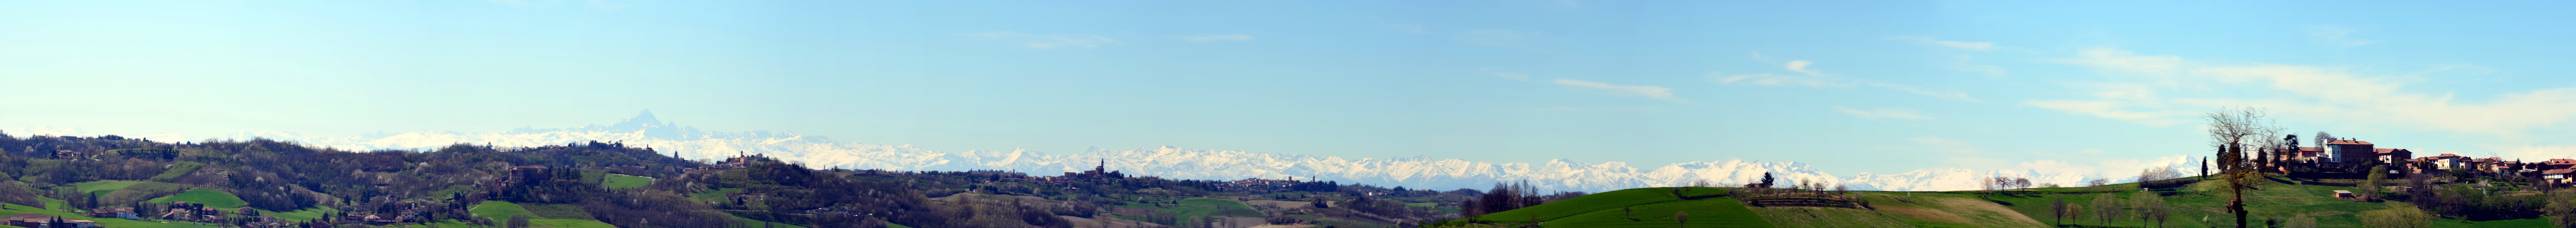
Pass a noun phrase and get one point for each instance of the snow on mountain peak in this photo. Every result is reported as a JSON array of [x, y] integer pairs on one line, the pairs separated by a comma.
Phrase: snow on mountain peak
[[1183, 163]]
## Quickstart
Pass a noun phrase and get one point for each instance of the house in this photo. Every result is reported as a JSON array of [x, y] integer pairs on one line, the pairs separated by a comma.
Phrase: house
[[2449, 161], [2555, 164], [29, 220], [2307, 154], [2341, 194], [2393, 156], [2348, 152], [2556, 176], [120, 212]]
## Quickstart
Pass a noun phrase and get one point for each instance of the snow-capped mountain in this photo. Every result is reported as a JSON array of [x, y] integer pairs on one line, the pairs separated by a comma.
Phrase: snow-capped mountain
[[1180, 163]]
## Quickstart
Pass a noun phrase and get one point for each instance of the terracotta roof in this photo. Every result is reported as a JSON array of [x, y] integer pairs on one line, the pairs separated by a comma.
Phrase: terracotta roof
[[2558, 171], [2312, 149], [2347, 142]]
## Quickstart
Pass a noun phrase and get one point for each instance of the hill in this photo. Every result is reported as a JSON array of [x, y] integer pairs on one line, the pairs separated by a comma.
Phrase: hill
[[611, 184], [2277, 202]]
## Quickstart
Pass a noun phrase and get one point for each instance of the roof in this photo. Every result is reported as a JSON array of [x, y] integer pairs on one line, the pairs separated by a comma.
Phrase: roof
[[2562, 161], [2558, 171], [2342, 192], [2312, 149], [2347, 142]]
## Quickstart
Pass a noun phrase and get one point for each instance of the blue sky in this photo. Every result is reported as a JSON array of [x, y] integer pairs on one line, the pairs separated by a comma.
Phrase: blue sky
[[1844, 86]]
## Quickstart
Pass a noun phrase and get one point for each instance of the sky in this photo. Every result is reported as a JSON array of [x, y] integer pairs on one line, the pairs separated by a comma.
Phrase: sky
[[1843, 86]]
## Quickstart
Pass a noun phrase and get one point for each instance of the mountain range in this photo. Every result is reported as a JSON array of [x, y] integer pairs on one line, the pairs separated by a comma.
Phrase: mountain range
[[1183, 163]]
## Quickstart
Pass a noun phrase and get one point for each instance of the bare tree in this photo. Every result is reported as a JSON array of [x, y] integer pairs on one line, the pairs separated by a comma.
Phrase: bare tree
[[2232, 131], [2057, 210], [2099, 182], [2150, 207], [2106, 208]]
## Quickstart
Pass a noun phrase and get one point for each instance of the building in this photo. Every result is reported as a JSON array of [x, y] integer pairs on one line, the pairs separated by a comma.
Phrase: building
[[120, 212], [2556, 176], [1097, 172], [2393, 156], [2448, 161], [2348, 152]]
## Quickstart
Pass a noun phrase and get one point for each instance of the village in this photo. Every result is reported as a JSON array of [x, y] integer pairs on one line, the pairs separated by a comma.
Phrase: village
[[2350, 158]]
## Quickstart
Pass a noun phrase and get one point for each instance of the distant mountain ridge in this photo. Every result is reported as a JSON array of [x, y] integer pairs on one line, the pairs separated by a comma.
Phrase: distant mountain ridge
[[1172, 162]]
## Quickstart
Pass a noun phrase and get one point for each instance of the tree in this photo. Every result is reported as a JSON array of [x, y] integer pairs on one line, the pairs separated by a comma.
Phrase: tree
[[2106, 208], [2057, 210], [2323, 138], [2232, 130], [2397, 218], [1766, 180], [518, 221], [2370, 183], [2562, 208], [2076, 211], [2099, 182], [2150, 207], [1680, 218]]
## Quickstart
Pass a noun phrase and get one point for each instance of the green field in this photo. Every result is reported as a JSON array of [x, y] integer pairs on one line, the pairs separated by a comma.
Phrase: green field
[[1199, 207], [13, 209], [622, 181], [1640, 207], [499, 210], [96, 187], [178, 170], [307, 214], [568, 223], [1612, 200], [210, 198]]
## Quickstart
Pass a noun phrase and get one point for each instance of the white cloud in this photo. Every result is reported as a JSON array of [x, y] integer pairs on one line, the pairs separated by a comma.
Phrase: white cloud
[[1051, 41], [1216, 37], [1799, 66], [1926, 40], [2338, 36], [2115, 110], [1817, 79], [2312, 93], [1889, 113], [1656, 92]]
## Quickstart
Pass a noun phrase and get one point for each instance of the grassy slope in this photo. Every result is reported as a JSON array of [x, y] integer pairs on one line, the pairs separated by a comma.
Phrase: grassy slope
[[568, 223], [1611, 200], [622, 181], [12, 209], [177, 170], [1712, 212], [2195, 203], [499, 210], [1651, 207], [1930, 209], [211, 198], [1825, 217], [95, 187]]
